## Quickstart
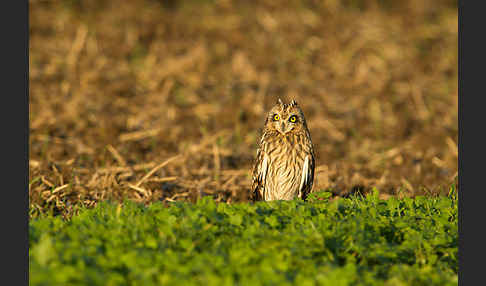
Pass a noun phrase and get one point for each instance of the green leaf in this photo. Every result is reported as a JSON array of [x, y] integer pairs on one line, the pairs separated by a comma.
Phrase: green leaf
[[236, 219], [350, 241]]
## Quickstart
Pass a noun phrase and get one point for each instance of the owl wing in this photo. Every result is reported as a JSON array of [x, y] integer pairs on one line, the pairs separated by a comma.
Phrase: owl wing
[[307, 178], [259, 176]]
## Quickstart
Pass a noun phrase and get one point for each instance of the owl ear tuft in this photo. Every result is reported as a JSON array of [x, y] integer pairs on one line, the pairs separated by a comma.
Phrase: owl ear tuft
[[279, 101]]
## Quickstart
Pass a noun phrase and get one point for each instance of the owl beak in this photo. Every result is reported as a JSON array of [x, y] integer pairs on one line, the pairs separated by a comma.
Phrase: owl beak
[[283, 128]]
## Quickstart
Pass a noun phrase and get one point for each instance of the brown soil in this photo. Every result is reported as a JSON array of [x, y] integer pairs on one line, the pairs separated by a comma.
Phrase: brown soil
[[117, 88]]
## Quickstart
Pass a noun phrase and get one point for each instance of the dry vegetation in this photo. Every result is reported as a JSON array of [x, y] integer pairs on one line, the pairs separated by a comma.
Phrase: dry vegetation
[[164, 100]]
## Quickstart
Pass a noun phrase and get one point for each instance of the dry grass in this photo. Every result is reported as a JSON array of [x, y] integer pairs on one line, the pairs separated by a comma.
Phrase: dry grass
[[164, 100]]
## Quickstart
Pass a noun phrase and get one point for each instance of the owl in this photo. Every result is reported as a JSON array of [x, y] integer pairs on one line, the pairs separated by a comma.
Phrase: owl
[[284, 165]]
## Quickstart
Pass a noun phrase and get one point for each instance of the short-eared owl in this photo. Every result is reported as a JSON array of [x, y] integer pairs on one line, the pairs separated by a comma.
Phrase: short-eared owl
[[284, 165]]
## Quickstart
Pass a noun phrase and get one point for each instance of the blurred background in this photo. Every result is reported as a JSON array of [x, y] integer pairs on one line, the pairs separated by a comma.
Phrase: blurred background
[[119, 87]]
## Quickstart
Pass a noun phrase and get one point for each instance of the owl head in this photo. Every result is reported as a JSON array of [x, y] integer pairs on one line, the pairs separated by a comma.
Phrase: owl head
[[285, 118]]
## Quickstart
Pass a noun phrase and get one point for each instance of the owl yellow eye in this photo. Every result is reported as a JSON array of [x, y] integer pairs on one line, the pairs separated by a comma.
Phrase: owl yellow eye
[[276, 117], [293, 118]]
